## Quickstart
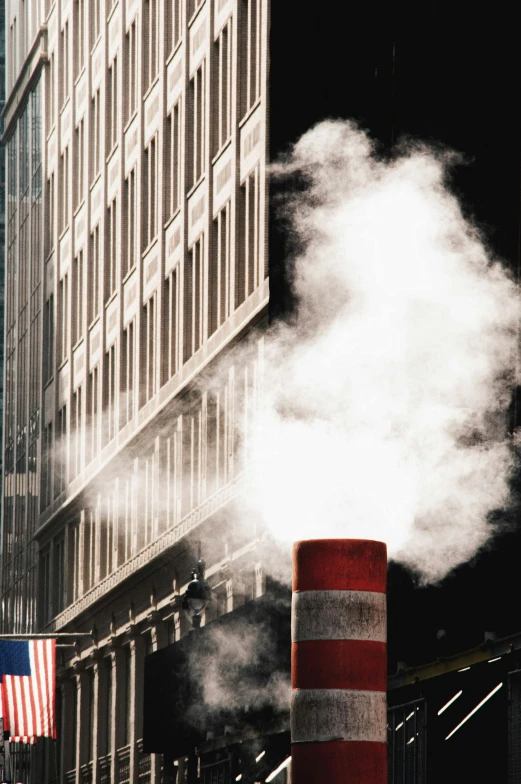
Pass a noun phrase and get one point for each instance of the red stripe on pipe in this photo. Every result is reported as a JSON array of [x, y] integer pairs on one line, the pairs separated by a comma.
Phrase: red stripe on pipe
[[339, 762], [339, 565], [339, 664]]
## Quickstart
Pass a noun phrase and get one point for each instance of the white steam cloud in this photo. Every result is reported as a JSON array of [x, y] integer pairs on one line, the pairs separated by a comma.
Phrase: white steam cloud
[[384, 412]]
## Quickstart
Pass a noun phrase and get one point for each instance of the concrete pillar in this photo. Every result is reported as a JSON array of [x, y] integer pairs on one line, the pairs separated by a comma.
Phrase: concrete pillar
[[339, 662], [98, 707], [136, 702], [159, 640], [118, 686]]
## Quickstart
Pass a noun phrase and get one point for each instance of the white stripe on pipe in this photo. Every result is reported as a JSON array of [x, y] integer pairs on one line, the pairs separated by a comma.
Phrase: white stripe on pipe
[[338, 714], [338, 615]]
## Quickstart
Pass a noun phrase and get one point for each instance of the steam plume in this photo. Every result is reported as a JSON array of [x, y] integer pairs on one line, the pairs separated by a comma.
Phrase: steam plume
[[384, 409]]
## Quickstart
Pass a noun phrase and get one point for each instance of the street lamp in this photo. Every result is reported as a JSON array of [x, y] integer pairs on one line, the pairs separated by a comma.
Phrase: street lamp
[[197, 595]]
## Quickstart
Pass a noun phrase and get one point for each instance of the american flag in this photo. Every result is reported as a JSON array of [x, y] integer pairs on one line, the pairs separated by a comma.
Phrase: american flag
[[28, 689]]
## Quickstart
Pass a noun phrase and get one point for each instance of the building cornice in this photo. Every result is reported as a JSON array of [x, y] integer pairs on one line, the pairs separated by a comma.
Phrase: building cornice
[[25, 81], [149, 553]]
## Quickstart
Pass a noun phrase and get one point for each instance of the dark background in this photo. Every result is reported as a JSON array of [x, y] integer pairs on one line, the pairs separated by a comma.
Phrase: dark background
[[445, 73]]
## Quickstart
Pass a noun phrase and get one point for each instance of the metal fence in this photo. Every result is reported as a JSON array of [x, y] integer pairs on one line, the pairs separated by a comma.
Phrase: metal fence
[[407, 743], [514, 727], [216, 773]]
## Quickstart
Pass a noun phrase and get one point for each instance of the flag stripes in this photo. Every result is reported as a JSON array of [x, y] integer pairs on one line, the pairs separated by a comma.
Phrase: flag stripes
[[29, 700]]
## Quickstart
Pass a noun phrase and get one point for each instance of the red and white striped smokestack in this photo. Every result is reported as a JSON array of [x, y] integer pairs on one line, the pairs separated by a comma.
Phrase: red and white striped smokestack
[[339, 662]]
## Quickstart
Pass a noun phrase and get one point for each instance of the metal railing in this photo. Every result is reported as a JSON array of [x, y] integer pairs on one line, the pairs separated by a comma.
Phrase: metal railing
[[407, 743]]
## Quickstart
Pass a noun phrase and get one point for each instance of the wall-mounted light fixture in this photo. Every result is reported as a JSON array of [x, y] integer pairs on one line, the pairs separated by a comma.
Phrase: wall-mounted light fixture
[[197, 595]]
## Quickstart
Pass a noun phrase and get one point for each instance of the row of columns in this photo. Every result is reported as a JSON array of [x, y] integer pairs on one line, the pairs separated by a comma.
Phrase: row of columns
[[107, 721]]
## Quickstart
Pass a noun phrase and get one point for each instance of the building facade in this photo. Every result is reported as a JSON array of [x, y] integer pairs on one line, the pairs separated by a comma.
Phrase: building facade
[[137, 290]]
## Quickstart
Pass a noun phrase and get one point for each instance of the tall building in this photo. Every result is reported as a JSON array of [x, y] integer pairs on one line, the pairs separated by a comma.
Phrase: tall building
[[143, 263], [136, 257]]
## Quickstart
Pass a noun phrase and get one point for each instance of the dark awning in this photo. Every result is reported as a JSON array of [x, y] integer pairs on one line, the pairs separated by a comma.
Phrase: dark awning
[[233, 672]]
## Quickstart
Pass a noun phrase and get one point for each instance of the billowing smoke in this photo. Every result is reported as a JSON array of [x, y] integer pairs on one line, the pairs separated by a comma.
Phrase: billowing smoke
[[384, 412], [237, 672]]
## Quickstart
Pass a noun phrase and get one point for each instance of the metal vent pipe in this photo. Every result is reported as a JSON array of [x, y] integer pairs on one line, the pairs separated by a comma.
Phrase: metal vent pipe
[[339, 662]]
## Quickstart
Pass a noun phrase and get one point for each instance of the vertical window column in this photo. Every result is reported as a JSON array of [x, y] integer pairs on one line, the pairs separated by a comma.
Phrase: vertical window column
[[129, 257], [219, 273], [94, 274], [222, 118], [151, 211], [174, 141], [79, 36], [150, 326], [131, 70], [111, 275], [128, 373], [197, 117], [193, 283], [79, 163]]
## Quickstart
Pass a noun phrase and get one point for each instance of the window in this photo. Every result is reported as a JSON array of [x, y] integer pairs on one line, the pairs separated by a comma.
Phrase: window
[[77, 298], [150, 347], [127, 386], [193, 6], [197, 119], [65, 69], [174, 159], [77, 432], [219, 274], [173, 476], [129, 258], [112, 255], [249, 270], [12, 61], [96, 135], [112, 104], [131, 69], [63, 317], [62, 452], [47, 467], [95, 17], [148, 465], [45, 586], [59, 575], [95, 412], [79, 168], [111, 380], [222, 94], [250, 70], [172, 329], [79, 35], [48, 340], [50, 92], [64, 195], [176, 21], [151, 201], [88, 543], [50, 222], [94, 276], [150, 45], [193, 299]]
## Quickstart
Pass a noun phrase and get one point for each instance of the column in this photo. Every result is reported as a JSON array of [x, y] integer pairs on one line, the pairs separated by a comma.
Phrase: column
[[95, 713], [118, 687], [159, 640], [136, 702]]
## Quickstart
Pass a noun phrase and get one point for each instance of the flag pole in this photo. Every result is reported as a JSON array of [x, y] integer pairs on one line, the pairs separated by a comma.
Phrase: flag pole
[[45, 635]]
